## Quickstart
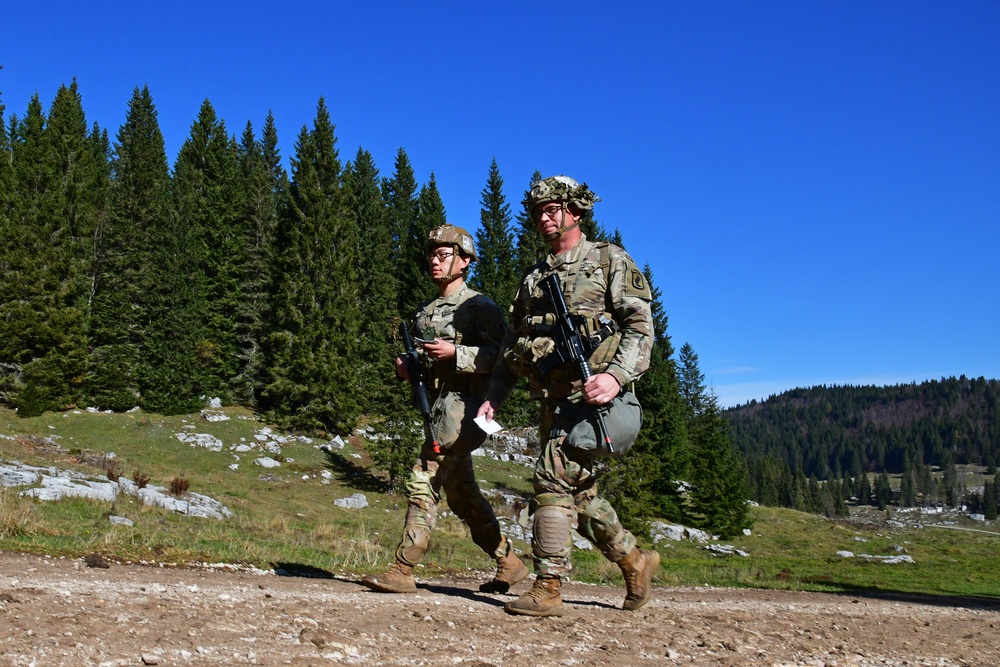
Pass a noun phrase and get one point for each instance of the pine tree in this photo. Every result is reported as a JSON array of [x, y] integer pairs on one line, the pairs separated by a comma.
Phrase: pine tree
[[386, 399], [175, 355], [990, 509], [311, 383], [400, 196], [208, 197], [864, 490], [718, 496], [691, 382], [9, 234], [139, 204], [907, 486], [883, 491], [265, 185], [59, 195], [494, 274], [377, 284]]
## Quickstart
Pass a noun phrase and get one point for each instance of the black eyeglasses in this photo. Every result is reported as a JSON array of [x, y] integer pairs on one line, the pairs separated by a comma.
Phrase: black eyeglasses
[[440, 255], [552, 210]]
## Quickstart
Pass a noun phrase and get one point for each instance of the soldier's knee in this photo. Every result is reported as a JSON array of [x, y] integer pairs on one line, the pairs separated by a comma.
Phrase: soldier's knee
[[551, 530], [416, 538]]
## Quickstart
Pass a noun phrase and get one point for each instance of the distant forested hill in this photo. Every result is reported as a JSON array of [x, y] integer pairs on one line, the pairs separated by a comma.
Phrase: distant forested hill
[[838, 433]]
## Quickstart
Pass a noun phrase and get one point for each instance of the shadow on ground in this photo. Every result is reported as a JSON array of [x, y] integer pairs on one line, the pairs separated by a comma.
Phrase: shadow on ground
[[301, 570]]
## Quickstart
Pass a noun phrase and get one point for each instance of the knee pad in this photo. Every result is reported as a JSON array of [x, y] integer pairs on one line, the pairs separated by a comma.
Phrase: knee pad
[[550, 533], [415, 540]]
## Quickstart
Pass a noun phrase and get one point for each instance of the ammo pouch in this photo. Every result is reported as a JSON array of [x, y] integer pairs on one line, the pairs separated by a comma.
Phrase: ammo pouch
[[622, 416]]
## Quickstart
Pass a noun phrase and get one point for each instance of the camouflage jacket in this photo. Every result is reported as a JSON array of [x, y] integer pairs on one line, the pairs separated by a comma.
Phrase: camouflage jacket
[[600, 283], [475, 325]]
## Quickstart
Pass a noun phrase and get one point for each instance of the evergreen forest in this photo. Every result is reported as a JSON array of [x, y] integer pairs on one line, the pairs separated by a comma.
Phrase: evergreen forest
[[129, 282], [821, 448]]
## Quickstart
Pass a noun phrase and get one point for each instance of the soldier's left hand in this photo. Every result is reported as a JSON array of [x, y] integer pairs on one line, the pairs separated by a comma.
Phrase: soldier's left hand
[[439, 349], [600, 389]]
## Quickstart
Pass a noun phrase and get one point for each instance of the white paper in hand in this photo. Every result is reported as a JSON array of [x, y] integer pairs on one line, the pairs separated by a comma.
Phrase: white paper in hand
[[490, 427]]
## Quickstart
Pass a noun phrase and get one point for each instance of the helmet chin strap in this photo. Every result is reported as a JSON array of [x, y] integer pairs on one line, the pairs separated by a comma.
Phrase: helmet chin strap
[[552, 236]]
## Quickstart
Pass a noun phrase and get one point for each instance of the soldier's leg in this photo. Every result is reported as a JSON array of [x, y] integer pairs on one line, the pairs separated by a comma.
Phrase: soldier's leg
[[422, 494], [555, 479], [467, 502], [598, 522], [551, 537]]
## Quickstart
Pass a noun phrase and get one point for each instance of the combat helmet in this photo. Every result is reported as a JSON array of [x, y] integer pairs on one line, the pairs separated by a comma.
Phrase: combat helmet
[[457, 238], [564, 191], [561, 189], [453, 236]]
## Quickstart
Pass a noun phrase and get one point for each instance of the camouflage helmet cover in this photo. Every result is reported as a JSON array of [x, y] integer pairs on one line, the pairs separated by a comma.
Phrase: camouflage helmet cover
[[560, 189], [453, 236]]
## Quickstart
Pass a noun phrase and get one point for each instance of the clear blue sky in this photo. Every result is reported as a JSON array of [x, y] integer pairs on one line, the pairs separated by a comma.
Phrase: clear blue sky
[[815, 185]]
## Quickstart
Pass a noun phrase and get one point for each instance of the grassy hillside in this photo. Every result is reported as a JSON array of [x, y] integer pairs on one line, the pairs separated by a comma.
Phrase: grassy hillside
[[287, 515]]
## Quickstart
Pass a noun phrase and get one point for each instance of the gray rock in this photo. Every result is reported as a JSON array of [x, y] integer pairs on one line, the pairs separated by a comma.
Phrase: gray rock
[[120, 520], [356, 502], [666, 531], [10, 476], [214, 416], [206, 440], [267, 462], [887, 560], [726, 550], [58, 487]]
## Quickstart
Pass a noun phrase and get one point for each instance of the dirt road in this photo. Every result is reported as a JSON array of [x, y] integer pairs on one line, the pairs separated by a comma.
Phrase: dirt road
[[63, 612]]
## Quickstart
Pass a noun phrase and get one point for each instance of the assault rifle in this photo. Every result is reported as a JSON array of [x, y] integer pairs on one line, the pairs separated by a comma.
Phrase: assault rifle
[[418, 380], [569, 344]]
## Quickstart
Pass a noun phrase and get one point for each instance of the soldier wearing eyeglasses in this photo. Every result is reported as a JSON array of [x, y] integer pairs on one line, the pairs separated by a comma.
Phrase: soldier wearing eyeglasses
[[608, 296], [458, 335]]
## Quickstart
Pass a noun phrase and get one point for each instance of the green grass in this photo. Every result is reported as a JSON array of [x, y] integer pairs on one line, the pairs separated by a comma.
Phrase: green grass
[[280, 517]]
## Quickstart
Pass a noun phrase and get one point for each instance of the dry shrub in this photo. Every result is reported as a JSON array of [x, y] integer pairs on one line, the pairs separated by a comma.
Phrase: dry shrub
[[179, 486], [140, 478], [113, 469]]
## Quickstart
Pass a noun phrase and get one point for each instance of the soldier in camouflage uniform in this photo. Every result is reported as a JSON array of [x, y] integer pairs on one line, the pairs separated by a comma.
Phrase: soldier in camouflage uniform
[[600, 283], [461, 331]]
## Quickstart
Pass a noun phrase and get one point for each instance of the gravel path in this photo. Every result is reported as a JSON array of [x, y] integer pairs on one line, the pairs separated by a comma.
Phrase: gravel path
[[64, 612]]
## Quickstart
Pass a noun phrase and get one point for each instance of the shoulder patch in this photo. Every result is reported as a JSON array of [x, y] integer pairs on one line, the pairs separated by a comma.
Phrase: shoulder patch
[[636, 285]]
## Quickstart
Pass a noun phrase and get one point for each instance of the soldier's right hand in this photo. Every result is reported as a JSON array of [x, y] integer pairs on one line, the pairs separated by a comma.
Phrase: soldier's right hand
[[402, 369], [487, 409]]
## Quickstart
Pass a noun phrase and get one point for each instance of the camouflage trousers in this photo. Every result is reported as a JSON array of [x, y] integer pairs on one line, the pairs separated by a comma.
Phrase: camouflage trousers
[[564, 485], [451, 472]]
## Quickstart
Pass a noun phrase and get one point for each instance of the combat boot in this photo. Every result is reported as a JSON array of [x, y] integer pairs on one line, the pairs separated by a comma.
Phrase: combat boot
[[638, 568], [542, 600], [397, 579], [510, 571]]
